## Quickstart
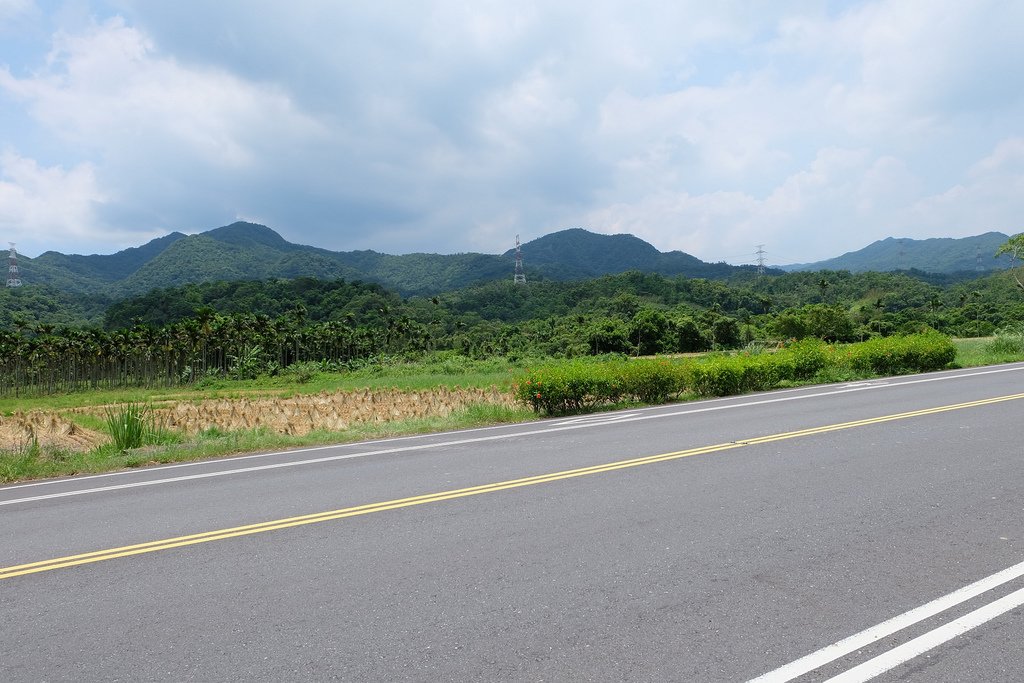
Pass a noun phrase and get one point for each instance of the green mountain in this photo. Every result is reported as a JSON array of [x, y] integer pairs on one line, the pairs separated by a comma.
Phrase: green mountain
[[246, 251], [91, 274], [936, 255], [577, 253]]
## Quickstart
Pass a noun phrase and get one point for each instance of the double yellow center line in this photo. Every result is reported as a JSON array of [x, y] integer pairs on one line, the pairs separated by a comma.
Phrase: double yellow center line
[[273, 525]]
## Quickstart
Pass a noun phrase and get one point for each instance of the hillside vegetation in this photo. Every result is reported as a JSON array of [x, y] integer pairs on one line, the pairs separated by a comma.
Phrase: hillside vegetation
[[975, 255], [255, 252], [247, 328]]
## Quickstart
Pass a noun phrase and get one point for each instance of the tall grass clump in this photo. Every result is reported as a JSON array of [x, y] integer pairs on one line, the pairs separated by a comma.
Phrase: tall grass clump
[[19, 463], [1008, 343], [133, 425]]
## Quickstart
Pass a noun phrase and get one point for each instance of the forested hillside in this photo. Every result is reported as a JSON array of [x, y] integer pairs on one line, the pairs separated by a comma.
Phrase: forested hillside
[[250, 327], [262, 304], [246, 251], [577, 253], [936, 255], [33, 305]]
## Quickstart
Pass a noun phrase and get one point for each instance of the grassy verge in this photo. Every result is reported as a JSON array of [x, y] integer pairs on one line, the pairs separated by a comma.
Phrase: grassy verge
[[34, 462], [972, 353]]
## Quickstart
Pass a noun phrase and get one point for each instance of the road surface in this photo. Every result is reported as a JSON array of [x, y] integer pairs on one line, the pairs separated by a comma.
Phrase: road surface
[[872, 530]]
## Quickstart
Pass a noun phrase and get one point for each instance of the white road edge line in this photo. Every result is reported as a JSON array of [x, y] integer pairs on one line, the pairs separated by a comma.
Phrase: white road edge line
[[553, 427], [841, 648], [928, 641]]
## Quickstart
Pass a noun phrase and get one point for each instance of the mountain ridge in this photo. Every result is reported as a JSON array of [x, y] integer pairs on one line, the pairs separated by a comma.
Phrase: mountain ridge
[[932, 255], [247, 251]]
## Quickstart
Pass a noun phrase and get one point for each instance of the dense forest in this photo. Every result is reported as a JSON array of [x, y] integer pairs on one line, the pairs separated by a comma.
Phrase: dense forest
[[246, 251], [251, 327]]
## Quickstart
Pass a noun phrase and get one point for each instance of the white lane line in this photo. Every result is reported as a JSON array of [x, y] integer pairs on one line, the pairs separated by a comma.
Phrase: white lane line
[[928, 641], [602, 418], [841, 648], [237, 458], [543, 429], [271, 466]]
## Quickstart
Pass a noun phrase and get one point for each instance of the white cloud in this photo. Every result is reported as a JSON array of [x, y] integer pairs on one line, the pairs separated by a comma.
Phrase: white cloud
[[40, 207], [109, 90], [707, 127], [988, 198], [726, 225], [1007, 157], [13, 9]]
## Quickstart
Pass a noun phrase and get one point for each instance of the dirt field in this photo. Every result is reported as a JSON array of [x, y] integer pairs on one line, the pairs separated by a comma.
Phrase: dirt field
[[335, 411]]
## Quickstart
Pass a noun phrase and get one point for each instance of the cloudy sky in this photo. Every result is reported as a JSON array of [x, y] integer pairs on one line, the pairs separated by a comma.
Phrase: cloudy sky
[[811, 127]]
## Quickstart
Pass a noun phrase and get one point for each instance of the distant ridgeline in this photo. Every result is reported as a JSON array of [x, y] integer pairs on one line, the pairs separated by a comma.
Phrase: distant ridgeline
[[246, 251], [937, 255]]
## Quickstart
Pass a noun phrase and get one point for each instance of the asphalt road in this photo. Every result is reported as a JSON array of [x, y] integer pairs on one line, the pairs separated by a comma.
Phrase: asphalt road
[[850, 531]]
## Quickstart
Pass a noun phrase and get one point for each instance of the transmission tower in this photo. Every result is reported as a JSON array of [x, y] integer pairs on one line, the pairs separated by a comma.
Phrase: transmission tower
[[12, 270], [760, 259], [520, 276]]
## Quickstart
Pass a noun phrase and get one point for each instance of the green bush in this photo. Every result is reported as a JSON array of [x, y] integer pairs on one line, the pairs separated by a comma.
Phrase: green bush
[[303, 372], [716, 376], [902, 355], [807, 356], [762, 372], [730, 375], [582, 385], [650, 380], [569, 387]]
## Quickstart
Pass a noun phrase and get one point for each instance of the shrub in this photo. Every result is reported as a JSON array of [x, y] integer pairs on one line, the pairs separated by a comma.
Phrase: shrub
[[902, 355], [581, 385], [716, 376], [808, 357], [649, 380], [569, 387], [730, 375], [303, 372]]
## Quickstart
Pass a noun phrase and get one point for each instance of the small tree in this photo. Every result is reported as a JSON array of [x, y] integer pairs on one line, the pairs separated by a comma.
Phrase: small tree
[[1015, 248], [648, 331]]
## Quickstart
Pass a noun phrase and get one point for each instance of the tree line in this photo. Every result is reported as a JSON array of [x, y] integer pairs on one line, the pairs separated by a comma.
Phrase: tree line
[[246, 328]]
